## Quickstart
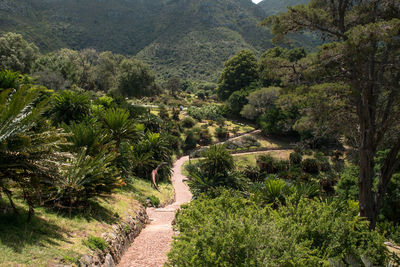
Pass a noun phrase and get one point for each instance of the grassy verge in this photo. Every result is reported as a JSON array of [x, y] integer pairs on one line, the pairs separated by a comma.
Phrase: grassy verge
[[54, 235], [241, 161]]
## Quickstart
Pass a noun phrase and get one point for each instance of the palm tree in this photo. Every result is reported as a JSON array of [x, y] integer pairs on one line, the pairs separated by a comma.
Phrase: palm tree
[[27, 157]]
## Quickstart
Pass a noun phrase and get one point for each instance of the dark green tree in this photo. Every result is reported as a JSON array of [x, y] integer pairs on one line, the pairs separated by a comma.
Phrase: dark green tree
[[239, 72], [236, 101], [135, 79], [173, 85], [16, 53], [364, 56]]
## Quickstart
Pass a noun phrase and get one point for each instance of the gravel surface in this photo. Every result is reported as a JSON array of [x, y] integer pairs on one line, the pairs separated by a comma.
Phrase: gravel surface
[[150, 247]]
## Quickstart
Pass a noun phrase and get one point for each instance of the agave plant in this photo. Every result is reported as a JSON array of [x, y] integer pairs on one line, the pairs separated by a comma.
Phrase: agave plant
[[27, 157]]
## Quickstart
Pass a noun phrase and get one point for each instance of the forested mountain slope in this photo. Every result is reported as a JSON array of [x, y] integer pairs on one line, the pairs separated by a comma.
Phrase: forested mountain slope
[[274, 7], [189, 38]]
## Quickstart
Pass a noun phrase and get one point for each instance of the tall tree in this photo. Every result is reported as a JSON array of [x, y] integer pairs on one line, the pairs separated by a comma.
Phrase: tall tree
[[239, 72], [364, 56], [16, 53], [135, 79]]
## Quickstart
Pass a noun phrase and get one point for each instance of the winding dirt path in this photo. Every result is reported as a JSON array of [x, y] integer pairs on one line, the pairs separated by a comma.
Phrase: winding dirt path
[[150, 247]]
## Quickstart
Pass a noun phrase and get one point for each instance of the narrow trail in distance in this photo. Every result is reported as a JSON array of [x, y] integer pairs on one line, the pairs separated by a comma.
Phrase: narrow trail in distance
[[149, 249]]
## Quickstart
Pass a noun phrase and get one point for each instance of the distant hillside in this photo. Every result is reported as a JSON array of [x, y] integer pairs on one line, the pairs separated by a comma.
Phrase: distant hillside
[[273, 7], [190, 38]]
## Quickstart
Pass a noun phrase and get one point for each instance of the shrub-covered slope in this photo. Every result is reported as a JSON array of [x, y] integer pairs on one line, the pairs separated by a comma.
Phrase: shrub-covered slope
[[177, 37]]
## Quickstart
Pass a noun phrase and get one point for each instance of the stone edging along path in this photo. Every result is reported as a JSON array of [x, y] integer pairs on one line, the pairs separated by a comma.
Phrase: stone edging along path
[[149, 249], [119, 240]]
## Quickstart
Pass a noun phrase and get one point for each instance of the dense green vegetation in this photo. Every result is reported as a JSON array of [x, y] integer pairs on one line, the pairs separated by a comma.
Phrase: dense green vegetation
[[66, 154], [343, 95], [82, 130], [237, 231], [253, 211], [190, 39]]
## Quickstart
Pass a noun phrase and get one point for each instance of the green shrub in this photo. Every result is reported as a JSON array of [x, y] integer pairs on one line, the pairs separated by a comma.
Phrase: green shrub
[[323, 162], [188, 122], [295, 174], [347, 187], [310, 165], [221, 133], [94, 243], [252, 173], [154, 201], [266, 163], [163, 113], [206, 112], [249, 141], [105, 101], [281, 166], [205, 137], [390, 230], [237, 232], [295, 158], [192, 139], [232, 145]]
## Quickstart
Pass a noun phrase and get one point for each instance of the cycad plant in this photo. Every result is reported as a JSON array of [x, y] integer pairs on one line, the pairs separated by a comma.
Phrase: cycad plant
[[27, 157], [70, 106], [87, 134], [274, 191], [85, 177], [120, 127], [150, 152], [8, 79], [217, 160]]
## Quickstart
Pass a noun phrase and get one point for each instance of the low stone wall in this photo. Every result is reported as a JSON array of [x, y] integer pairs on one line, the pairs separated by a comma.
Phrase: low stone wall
[[119, 240]]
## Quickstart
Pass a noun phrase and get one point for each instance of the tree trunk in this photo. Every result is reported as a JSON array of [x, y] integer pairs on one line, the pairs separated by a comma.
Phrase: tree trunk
[[366, 115], [365, 182]]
